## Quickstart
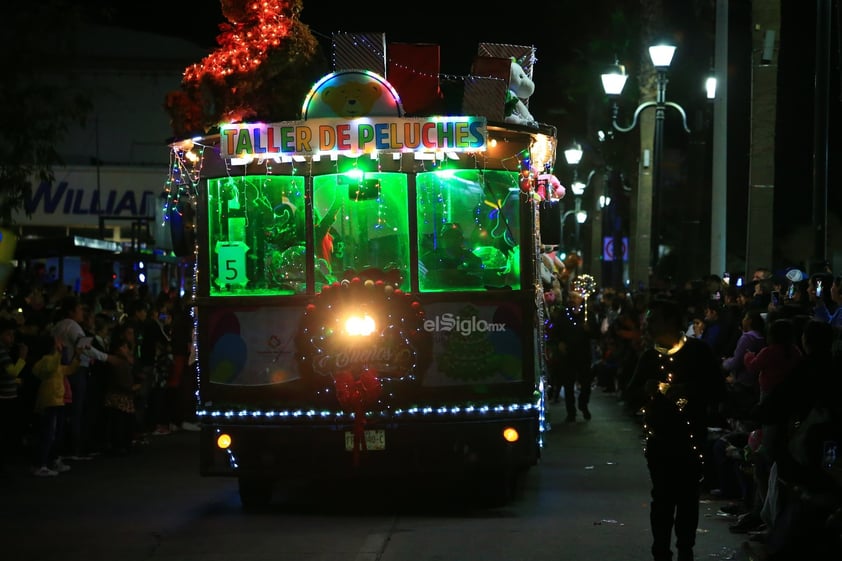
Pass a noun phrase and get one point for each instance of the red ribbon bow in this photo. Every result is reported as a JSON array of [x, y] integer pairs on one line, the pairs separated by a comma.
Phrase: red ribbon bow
[[354, 395]]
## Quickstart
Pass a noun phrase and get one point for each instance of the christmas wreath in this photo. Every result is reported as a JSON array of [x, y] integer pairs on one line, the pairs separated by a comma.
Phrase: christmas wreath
[[363, 364], [397, 345]]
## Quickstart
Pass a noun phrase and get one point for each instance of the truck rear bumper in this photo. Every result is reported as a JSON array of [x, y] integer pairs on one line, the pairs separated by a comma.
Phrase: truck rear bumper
[[277, 451]]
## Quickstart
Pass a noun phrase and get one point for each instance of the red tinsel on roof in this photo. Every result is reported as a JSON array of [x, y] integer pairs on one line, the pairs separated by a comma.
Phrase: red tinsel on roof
[[255, 29], [262, 69]]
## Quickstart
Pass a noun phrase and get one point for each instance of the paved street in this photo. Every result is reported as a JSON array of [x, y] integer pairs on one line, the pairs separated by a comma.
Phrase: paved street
[[598, 468], [587, 500]]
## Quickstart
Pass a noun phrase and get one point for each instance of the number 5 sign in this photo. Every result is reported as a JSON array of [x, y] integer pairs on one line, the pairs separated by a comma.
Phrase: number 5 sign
[[231, 262], [611, 250]]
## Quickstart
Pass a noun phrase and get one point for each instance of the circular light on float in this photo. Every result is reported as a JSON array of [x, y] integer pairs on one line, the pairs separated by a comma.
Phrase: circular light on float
[[510, 434], [223, 441]]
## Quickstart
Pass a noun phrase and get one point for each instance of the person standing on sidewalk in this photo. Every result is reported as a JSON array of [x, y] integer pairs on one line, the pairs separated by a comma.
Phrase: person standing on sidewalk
[[54, 395], [12, 363], [572, 333], [179, 402], [76, 344], [149, 337], [680, 384]]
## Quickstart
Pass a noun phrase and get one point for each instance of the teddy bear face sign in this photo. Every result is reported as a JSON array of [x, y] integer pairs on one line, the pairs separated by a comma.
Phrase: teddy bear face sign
[[352, 94], [352, 99]]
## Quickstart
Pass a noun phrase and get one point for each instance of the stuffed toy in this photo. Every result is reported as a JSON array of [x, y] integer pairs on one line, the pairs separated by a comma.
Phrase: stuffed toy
[[521, 87], [549, 187]]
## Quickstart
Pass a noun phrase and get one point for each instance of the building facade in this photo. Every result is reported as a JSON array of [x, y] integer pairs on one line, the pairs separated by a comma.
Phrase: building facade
[[102, 214]]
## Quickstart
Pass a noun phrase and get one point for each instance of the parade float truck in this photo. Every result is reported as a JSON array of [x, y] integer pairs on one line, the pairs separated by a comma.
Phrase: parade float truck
[[367, 296]]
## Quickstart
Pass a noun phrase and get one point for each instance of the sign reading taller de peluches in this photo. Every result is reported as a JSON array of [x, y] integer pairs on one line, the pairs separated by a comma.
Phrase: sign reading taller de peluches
[[353, 136]]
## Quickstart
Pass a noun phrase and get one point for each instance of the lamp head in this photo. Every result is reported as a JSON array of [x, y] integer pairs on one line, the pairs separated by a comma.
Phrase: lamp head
[[710, 87], [573, 155], [661, 55], [578, 188], [582, 216], [614, 80]]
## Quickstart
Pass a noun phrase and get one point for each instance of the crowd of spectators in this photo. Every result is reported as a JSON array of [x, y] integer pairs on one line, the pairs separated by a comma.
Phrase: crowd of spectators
[[90, 374], [771, 453], [101, 372]]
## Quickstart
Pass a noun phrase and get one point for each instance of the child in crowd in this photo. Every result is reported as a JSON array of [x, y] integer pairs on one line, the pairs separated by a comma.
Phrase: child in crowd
[[119, 399], [12, 362], [53, 396]]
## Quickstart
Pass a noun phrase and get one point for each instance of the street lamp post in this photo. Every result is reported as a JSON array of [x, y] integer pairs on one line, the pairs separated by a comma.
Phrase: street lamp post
[[573, 156], [581, 217], [613, 83]]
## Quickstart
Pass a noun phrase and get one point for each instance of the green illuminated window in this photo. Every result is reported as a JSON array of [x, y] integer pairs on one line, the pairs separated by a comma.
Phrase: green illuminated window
[[468, 230], [256, 235], [360, 227], [257, 232]]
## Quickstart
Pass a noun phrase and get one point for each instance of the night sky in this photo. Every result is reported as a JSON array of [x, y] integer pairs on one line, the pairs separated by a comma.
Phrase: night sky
[[430, 22]]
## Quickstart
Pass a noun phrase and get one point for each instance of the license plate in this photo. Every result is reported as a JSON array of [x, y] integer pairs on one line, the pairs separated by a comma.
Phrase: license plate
[[374, 440]]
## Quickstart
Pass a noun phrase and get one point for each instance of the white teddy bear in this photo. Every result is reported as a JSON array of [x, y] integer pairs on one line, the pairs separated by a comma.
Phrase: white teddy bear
[[521, 87]]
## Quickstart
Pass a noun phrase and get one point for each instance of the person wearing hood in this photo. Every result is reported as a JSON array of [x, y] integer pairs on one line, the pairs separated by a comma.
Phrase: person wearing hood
[[742, 384], [777, 359]]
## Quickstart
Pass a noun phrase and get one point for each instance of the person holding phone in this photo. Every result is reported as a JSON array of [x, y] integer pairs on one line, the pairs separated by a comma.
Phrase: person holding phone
[[820, 295], [829, 301]]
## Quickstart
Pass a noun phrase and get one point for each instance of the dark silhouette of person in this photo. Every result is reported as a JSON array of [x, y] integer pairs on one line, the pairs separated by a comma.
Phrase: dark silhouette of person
[[571, 334], [451, 252], [681, 386], [451, 262]]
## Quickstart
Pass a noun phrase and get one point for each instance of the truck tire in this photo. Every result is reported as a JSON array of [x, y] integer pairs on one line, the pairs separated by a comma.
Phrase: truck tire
[[498, 488], [255, 493]]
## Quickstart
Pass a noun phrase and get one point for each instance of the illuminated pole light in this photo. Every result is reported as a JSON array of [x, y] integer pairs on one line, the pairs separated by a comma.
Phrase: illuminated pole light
[[613, 82], [710, 87], [581, 217], [573, 156]]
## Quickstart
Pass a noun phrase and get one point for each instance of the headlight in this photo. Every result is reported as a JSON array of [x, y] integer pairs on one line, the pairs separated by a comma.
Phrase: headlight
[[360, 326]]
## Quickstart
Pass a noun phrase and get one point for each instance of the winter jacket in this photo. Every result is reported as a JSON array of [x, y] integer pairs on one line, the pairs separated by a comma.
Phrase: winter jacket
[[690, 387], [120, 377], [749, 341], [53, 391], [772, 364], [9, 374]]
